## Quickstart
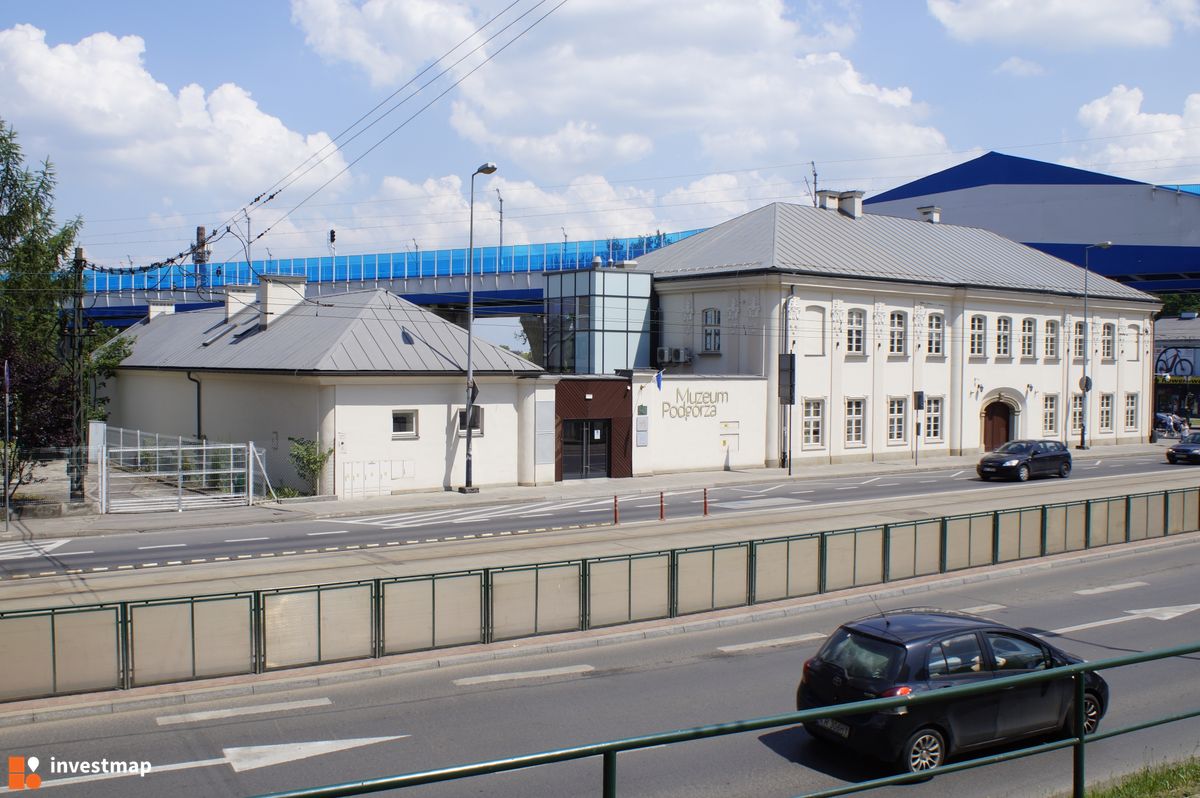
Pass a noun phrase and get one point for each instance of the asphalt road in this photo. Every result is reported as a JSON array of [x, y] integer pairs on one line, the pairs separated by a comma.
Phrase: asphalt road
[[461, 714], [38, 558]]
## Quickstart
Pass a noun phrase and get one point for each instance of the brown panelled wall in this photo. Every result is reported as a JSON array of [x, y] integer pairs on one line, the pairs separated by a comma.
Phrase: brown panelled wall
[[610, 400]]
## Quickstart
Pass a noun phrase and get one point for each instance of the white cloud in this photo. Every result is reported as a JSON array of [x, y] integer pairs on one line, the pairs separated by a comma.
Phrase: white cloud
[[734, 82], [1020, 68], [99, 97], [1067, 24], [1155, 147]]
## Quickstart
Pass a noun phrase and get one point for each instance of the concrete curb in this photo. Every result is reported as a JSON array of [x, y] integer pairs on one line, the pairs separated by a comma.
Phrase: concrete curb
[[185, 693]]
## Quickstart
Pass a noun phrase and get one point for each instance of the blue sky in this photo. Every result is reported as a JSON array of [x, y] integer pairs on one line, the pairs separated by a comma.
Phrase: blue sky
[[606, 118]]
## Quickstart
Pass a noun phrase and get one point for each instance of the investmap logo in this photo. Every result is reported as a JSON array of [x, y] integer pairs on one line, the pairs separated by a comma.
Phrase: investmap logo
[[22, 773]]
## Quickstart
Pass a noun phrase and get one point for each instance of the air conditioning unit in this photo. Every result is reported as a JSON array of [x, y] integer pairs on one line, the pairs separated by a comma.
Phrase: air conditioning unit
[[681, 355], [664, 355]]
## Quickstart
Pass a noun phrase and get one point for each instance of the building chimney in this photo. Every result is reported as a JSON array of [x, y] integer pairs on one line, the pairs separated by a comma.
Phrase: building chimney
[[827, 199], [237, 299], [160, 307], [277, 294], [850, 203], [930, 213]]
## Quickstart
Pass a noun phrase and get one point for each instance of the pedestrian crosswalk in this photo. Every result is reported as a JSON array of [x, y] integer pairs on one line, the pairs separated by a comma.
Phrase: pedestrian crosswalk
[[24, 549]]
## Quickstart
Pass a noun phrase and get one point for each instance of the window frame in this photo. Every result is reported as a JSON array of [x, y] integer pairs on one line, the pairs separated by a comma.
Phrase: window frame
[[812, 426], [897, 420], [860, 418], [1029, 338], [1051, 341], [1076, 415], [978, 336], [1131, 411], [1105, 413], [414, 432], [1108, 342], [898, 333], [931, 417], [710, 330], [1004, 336], [935, 340], [477, 428], [1050, 409], [1079, 340], [856, 331]]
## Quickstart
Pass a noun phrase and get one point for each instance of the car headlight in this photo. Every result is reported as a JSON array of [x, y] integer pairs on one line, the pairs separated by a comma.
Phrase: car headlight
[[1010, 463]]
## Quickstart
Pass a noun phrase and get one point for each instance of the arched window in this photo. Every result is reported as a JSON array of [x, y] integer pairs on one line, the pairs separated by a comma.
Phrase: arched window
[[978, 336], [1003, 337], [856, 331], [712, 329], [937, 335], [1108, 341], [1051, 340], [1028, 338], [1080, 339], [897, 334]]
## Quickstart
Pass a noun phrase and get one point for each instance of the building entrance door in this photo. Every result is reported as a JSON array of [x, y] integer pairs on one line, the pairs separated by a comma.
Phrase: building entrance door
[[585, 448], [997, 420]]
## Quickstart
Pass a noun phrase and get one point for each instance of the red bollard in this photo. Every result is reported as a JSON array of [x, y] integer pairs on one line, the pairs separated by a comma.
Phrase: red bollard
[[616, 512], [706, 501], [662, 507]]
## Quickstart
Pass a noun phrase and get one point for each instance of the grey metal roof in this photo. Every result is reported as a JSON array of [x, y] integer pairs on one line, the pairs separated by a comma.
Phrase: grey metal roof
[[1176, 329], [806, 240], [362, 332]]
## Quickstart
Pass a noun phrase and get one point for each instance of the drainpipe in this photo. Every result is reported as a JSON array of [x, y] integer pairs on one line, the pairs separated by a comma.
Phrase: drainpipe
[[199, 429]]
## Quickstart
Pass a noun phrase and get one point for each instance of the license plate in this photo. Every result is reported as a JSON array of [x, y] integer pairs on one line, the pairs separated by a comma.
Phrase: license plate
[[989, 468], [835, 726]]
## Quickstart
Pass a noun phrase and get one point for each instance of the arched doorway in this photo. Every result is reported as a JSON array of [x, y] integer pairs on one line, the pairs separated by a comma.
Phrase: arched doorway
[[997, 421]]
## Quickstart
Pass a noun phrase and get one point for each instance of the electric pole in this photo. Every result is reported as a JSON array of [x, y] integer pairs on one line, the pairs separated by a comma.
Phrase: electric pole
[[78, 380], [200, 259]]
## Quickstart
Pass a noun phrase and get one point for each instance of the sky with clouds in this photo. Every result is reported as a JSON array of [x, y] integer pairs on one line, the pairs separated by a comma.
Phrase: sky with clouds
[[606, 118]]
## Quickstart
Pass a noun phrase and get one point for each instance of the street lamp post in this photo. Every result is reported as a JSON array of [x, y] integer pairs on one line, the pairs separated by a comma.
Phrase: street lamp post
[[1085, 384], [484, 169]]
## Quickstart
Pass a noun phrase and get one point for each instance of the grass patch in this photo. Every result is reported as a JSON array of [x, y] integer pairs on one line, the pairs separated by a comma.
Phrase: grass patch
[[1178, 780]]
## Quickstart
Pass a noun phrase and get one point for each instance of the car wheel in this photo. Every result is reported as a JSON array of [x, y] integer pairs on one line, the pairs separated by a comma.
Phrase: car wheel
[[1064, 470], [1171, 459], [1091, 715], [1023, 473], [924, 751]]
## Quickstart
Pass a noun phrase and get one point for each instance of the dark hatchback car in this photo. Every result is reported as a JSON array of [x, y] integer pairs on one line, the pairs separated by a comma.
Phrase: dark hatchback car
[[1186, 451], [1021, 460], [902, 652]]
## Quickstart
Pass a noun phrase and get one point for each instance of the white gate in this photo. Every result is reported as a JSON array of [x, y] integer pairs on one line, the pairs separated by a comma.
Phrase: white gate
[[156, 472]]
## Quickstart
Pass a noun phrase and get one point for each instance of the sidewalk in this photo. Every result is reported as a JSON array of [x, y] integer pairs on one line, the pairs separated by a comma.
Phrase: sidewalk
[[310, 509]]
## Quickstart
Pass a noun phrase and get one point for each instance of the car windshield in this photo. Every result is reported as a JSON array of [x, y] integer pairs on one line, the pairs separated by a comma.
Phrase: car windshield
[[862, 656], [1015, 447], [1192, 438]]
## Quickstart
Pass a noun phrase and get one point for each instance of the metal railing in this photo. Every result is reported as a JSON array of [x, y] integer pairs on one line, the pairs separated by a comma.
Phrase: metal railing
[[608, 751], [173, 639]]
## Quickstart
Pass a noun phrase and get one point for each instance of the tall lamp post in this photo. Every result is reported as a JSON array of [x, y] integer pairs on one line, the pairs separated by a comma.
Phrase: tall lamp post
[[484, 169], [1085, 384]]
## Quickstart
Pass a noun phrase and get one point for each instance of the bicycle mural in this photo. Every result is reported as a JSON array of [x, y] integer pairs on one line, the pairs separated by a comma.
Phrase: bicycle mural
[[1175, 361]]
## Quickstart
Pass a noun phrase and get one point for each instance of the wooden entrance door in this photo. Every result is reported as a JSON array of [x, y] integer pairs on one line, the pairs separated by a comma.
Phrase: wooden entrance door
[[996, 422]]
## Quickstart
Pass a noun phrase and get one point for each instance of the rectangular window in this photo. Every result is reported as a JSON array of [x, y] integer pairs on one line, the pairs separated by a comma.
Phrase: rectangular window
[[1131, 411], [1106, 412], [1080, 339], [897, 420], [1051, 346], [1076, 412], [856, 327], [978, 336], [933, 419], [476, 421], [1003, 337], [1028, 336], [404, 424], [712, 330], [897, 333], [937, 335], [814, 418], [856, 414], [1050, 414]]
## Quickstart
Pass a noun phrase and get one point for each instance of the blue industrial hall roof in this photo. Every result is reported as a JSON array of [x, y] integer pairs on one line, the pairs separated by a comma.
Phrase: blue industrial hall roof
[[995, 168]]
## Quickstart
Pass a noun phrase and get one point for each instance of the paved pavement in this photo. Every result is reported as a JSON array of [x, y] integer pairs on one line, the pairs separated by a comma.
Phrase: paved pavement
[[309, 509]]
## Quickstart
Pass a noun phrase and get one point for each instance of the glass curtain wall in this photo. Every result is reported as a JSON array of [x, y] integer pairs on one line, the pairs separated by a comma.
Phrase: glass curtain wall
[[597, 321]]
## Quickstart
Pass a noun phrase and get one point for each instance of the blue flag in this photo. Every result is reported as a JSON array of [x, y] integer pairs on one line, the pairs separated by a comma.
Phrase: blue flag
[[658, 380]]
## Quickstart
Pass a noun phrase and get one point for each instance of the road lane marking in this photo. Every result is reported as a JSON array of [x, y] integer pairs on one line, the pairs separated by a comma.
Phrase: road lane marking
[[162, 546], [73, 553], [1095, 591], [852, 487], [21, 549], [335, 532], [260, 709], [775, 643], [570, 670], [982, 608], [869, 481], [244, 540], [956, 473], [1157, 613]]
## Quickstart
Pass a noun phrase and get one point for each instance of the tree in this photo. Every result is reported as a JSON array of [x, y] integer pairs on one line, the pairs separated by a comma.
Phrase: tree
[[36, 286], [309, 461], [1174, 304]]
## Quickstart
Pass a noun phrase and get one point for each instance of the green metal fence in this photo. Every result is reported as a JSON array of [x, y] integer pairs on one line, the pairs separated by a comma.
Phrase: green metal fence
[[608, 751], [137, 643]]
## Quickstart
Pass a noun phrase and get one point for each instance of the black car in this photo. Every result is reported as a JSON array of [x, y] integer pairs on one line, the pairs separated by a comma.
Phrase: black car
[[902, 652], [1021, 460], [1186, 451]]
